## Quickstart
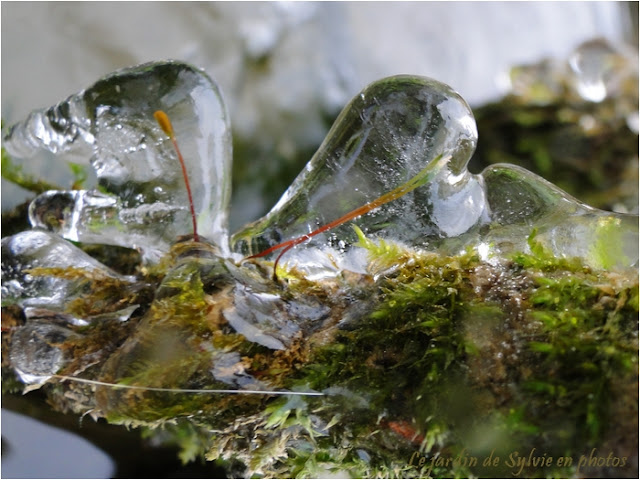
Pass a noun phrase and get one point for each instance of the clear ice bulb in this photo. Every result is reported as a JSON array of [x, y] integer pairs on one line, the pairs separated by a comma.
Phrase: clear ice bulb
[[140, 201], [395, 129], [395, 164]]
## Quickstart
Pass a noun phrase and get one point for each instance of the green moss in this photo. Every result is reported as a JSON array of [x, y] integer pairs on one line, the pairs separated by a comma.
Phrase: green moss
[[411, 360], [96, 292], [10, 384], [382, 254], [540, 258], [451, 357], [608, 246], [447, 356], [588, 343], [79, 173], [182, 434]]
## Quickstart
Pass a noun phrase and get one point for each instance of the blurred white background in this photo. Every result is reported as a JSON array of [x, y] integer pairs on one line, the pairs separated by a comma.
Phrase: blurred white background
[[280, 64], [285, 67]]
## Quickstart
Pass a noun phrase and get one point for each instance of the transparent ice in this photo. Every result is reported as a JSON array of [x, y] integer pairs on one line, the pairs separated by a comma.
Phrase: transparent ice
[[25, 251], [404, 127], [36, 347], [385, 136], [36, 351], [267, 319], [228, 368], [140, 201], [405, 139]]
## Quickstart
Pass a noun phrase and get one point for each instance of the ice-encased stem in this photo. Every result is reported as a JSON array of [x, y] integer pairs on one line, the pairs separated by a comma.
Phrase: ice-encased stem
[[111, 126], [386, 136], [426, 174], [165, 124]]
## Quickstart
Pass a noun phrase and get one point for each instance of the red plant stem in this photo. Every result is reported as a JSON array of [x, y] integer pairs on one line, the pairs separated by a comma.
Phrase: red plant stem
[[420, 179], [165, 124]]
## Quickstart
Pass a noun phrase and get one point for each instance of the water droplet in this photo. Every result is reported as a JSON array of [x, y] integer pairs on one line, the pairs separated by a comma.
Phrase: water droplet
[[591, 63]]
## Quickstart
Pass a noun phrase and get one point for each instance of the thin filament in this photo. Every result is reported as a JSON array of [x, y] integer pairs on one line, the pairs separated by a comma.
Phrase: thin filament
[[419, 179], [181, 390], [165, 124]]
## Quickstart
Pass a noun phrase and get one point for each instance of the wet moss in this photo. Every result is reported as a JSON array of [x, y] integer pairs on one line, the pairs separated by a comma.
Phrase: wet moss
[[97, 293], [449, 357], [439, 358], [454, 357]]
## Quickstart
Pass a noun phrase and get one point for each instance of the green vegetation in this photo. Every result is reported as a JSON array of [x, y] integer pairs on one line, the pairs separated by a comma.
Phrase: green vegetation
[[427, 363], [446, 360], [449, 357]]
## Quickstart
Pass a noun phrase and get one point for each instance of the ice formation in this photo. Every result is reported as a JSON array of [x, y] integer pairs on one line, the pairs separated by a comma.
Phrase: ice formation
[[140, 200], [394, 164], [416, 131]]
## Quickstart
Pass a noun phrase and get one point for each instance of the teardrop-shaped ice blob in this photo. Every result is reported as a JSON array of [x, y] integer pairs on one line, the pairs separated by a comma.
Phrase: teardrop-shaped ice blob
[[25, 251], [519, 201], [397, 130], [141, 201], [395, 162], [36, 351]]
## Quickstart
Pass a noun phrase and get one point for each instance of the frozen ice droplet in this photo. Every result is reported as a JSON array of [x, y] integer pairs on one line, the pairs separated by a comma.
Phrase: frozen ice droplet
[[593, 64], [397, 130], [23, 252], [269, 320], [395, 163], [142, 200], [520, 201], [36, 351]]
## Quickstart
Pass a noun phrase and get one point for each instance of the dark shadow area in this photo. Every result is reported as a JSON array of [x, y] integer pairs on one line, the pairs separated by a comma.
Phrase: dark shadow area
[[133, 456]]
